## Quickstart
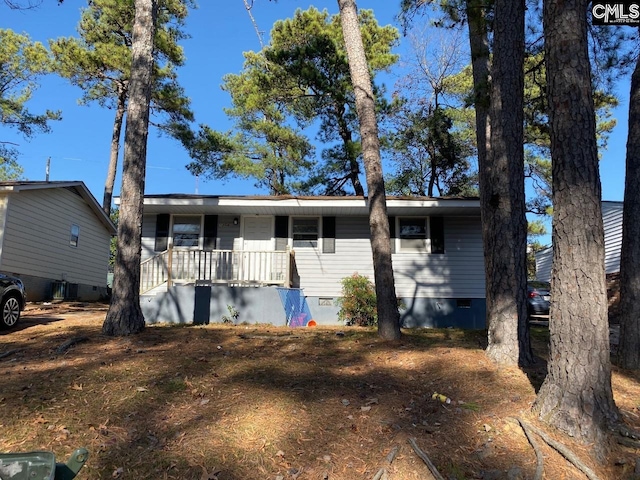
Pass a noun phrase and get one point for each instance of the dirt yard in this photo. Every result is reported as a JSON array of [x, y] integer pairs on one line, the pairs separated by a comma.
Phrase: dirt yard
[[248, 402]]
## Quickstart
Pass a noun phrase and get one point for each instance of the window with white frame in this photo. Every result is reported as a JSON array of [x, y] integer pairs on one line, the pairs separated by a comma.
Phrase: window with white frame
[[305, 232], [186, 230], [413, 233], [75, 235]]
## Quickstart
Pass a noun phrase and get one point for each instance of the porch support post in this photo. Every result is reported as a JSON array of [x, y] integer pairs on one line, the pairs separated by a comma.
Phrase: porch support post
[[291, 258], [169, 266]]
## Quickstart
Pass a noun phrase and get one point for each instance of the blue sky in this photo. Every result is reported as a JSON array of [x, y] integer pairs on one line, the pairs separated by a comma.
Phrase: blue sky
[[79, 144], [220, 30]]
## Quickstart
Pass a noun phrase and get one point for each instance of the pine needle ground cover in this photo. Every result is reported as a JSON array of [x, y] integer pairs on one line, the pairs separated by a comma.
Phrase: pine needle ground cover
[[251, 402]]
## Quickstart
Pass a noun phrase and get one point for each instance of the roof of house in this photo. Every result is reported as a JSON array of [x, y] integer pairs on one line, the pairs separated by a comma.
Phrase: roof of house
[[78, 186], [304, 205]]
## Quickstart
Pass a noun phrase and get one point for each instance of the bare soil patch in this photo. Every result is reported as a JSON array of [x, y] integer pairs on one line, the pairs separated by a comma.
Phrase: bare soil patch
[[251, 402]]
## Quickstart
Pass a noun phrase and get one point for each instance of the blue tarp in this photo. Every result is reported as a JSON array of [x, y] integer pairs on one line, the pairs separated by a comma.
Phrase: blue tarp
[[296, 310]]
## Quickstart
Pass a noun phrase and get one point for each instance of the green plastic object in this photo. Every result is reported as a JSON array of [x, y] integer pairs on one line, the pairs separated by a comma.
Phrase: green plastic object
[[40, 465]]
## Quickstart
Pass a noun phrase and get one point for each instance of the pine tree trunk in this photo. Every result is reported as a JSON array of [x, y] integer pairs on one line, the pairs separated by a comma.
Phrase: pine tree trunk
[[629, 347], [113, 157], [353, 168], [125, 314], [479, 46], [502, 194], [510, 352], [576, 396], [388, 315]]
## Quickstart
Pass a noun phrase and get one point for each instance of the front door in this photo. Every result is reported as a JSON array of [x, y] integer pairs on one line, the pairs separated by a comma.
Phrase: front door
[[257, 247], [258, 234]]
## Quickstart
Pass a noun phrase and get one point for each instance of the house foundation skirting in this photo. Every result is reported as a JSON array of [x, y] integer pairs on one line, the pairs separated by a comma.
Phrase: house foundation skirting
[[466, 313], [41, 289], [216, 304]]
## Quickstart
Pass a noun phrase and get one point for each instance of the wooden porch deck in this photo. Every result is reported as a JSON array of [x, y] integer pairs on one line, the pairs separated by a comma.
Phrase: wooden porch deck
[[205, 267]]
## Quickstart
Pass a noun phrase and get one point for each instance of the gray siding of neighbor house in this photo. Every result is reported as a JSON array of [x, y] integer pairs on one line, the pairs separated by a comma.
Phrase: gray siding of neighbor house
[[544, 260], [4, 201], [36, 242], [612, 221]]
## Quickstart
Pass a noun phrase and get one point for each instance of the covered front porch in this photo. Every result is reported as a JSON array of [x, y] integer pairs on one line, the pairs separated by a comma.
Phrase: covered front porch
[[216, 267]]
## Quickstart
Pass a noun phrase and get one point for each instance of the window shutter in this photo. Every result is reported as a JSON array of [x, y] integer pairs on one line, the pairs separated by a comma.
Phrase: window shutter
[[282, 232], [392, 233], [210, 232], [162, 232], [436, 225], [328, 234]]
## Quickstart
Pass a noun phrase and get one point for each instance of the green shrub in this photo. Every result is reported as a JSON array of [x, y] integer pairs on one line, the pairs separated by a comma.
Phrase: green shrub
[[233, 315], [358, 302]]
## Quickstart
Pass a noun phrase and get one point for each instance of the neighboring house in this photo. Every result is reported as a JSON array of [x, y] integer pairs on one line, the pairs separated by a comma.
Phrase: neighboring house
[[203, 257], [56, 238], [612, 220]]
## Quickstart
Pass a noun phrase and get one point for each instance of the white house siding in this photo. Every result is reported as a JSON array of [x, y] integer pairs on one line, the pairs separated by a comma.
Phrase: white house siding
[[321, 273], [228, 233], [37, 238], [458, 273], [612, 219], [148, 236]]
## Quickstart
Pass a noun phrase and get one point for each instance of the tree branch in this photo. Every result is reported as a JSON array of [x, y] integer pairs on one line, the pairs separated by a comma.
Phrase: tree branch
[[425, 459]]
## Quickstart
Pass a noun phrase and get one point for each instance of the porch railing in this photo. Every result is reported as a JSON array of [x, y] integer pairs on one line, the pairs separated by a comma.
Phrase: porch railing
[[233, 267]]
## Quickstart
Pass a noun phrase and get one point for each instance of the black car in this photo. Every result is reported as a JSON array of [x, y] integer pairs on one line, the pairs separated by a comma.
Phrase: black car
[[538, 298], [13, 299]]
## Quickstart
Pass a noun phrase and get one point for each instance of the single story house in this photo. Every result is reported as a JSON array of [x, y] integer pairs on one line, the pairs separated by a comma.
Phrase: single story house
[[56, 238], [281, 259], [612, 221]]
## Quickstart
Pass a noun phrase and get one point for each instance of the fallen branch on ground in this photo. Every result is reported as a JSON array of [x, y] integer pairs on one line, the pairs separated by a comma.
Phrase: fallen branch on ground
[[562, 449], [425, 459], [70, 343], [381, 475], [391, 456], [249, 336], [10, 352]]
